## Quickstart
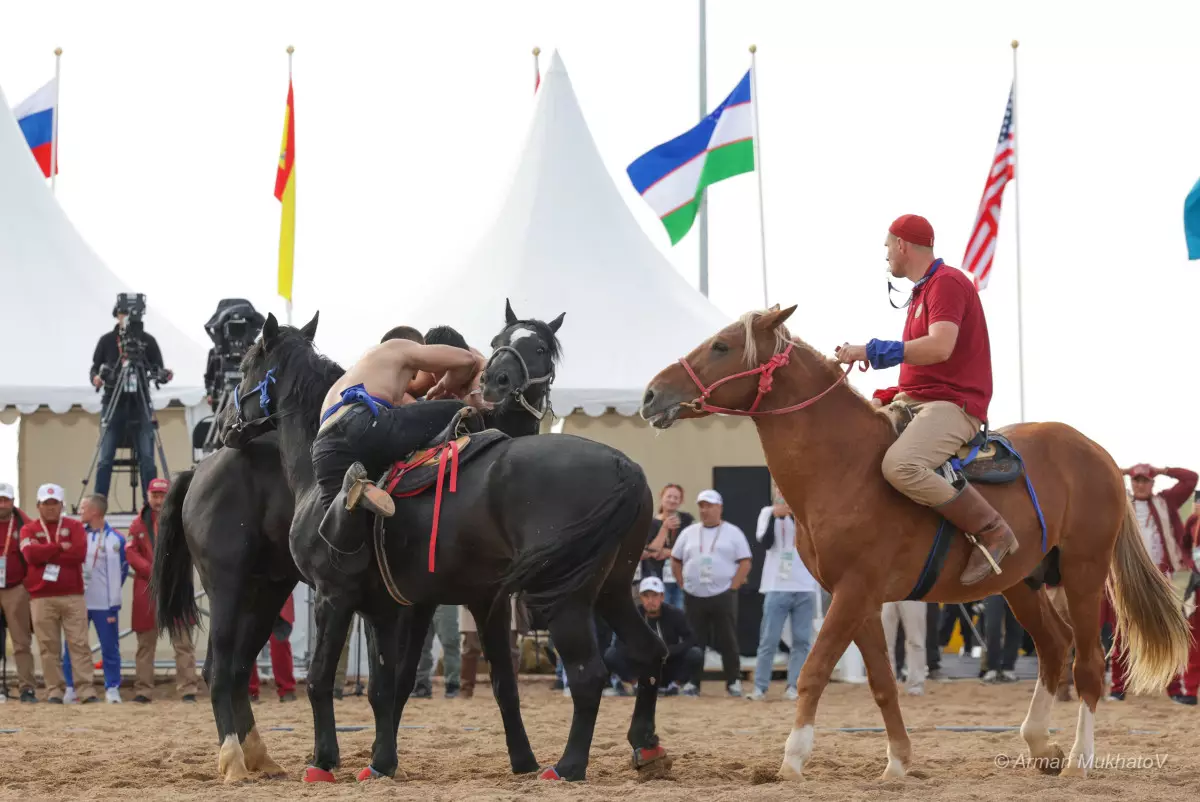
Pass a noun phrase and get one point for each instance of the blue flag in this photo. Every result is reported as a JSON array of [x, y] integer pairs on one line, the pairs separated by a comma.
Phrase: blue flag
[[1191, 222]]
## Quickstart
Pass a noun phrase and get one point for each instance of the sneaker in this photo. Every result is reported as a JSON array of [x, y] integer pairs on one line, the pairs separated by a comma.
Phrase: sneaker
[[735, 688], [609, 692], [290, 696], [937, 675], [422, 693], [451, 691], [1118, 696], [915, 690], [112, 696], [991, 677], [28, 697], [1184, 699], [70, 697], [791, 694], [671, 690], [54, 700], [566, 692], [142, 699], [1009, 676], [690, 690], [757, 696]]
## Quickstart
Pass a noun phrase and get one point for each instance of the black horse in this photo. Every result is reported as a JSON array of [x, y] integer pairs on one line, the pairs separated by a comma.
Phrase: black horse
[[560, 519], [234, 525]]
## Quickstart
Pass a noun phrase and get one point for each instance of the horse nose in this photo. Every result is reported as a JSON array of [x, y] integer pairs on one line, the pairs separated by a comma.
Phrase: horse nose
[[647, 398]]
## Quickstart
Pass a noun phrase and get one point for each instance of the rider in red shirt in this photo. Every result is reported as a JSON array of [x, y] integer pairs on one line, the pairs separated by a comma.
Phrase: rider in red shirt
[[945, 382]]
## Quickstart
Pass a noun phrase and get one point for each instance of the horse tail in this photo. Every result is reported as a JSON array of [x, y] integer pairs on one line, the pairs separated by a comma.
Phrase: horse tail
[[1150, 621], [580, 553], [171, 585]]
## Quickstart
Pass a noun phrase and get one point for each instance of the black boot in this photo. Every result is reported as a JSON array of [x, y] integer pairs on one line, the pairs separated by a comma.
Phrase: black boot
[[345, 535]]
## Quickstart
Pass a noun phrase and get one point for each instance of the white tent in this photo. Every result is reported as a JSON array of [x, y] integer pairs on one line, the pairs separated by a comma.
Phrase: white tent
[[61, 297], [565, 241]]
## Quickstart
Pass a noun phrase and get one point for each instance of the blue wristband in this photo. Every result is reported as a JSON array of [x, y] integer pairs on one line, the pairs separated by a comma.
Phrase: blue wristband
[[885, 353]]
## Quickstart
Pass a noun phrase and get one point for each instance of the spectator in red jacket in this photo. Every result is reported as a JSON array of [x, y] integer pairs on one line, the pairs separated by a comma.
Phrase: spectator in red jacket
[[282, 665], [54, 548], [139, 551], [14, 598], [1164, 536]]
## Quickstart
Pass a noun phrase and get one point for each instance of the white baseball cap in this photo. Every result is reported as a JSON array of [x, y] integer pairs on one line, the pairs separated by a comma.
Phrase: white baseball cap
[[710, 496], [51, 492], [6, 491], [651, 584]]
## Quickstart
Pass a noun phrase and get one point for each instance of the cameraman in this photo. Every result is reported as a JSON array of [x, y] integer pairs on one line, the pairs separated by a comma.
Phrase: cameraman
[[129, 411]]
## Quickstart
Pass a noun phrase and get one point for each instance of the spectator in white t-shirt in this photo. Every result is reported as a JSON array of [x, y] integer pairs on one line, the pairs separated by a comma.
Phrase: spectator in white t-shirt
[[789, 591], [711, 560]]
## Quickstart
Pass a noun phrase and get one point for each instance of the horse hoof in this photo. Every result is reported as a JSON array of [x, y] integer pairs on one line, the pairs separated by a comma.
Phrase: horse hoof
[[549, 773], [645, 756], [368, 774], [312, 774], [1051, 763]]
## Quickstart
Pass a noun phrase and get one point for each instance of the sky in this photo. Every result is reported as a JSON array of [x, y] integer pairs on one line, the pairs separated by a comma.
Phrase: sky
[[410, 117]]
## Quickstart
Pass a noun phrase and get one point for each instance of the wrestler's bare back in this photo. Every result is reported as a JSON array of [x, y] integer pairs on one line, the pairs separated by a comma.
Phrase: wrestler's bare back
[[386, 370]]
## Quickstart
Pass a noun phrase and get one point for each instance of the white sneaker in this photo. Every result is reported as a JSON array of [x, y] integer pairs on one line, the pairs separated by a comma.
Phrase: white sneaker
[[112, 696], [757, 696], [991, 676], [70, 697], [916, 690], [735, 689], [791, 694], [691, 690], [566, 693]]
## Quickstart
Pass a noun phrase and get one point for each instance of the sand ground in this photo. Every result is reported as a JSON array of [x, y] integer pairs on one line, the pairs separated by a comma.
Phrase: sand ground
[[723, 749]]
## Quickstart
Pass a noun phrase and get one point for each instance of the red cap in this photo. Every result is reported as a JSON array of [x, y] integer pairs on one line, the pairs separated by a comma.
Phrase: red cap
[[1142, 471], [159, 486], [913, 228]]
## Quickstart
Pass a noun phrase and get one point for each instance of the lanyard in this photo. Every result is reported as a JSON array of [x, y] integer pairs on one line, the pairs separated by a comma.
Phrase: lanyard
[[101, 536], [8, 536], [716, 537], [781, 531], [57, 528]]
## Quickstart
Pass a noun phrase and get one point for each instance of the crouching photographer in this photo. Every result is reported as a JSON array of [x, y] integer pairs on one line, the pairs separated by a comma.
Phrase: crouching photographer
[[126, 360]]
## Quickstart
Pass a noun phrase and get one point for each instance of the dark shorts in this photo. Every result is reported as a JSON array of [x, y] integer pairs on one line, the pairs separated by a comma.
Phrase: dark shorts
[[358, 436]]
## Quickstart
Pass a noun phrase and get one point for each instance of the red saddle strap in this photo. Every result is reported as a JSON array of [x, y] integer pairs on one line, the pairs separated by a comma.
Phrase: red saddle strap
[[452, 447]]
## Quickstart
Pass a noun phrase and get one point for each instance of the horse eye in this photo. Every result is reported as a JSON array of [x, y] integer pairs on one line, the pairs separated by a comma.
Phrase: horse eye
[[720, 347], [541, 351]]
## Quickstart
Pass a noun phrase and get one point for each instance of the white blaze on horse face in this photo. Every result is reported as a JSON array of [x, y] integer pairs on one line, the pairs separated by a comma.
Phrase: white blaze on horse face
[[521, 334], [1035, 729], [796, 752]]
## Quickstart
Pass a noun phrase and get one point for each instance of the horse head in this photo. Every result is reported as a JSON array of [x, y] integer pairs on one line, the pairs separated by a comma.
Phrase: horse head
[[728, 370], [267, 380], [523, 362]]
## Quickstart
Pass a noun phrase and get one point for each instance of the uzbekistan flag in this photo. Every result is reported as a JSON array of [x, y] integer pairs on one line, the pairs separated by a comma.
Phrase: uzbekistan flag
[[672, 176], [35, 116], [285, 192]]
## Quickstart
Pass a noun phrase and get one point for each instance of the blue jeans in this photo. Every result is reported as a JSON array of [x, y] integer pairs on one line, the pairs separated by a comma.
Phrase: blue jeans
[[126, 414], [778, 605], [110, 648], [673, 595]]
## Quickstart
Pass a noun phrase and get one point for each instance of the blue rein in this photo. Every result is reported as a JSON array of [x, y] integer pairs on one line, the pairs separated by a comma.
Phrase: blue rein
[[355, 394]]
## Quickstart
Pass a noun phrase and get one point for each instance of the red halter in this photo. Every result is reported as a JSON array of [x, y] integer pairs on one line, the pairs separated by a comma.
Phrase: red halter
[[766, 381]]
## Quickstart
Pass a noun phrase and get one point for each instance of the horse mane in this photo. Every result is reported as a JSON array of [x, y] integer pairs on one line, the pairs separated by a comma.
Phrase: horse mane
[[783, 338], [543, 329], [293, 355]]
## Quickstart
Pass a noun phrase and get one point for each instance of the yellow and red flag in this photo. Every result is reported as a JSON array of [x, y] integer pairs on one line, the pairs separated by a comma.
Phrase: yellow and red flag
[[285, 192]]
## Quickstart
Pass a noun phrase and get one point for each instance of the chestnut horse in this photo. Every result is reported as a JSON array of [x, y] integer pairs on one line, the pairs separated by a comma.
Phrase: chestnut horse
[[867, 544]]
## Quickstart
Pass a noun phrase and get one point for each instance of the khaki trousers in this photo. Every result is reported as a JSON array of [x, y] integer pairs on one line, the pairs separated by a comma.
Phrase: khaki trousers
[[15, 604], [935, 434], [52, 617], [912, 615], [185, 663]]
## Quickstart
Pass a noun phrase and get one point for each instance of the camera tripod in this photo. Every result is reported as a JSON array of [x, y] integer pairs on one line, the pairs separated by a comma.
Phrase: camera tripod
[[131, 374], [212, 438]]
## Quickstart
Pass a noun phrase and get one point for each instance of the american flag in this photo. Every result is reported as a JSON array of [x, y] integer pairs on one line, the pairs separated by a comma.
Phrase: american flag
[[982, 245]]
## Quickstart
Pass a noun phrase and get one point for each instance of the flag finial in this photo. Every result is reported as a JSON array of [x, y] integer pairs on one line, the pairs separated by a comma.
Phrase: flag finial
[[58, 51], [1015, 44], [291, 50], [753, 48], [537, 51]]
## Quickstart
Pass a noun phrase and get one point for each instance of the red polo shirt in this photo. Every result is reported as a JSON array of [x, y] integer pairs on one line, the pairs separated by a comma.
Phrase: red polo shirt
[[965, 379]]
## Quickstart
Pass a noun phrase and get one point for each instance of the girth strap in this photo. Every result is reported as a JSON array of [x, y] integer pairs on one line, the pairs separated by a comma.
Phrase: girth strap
[[385, 570]]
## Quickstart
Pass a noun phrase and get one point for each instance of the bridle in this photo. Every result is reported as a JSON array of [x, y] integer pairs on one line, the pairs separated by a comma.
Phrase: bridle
[[527, 382], [766, 382], [263, 390]]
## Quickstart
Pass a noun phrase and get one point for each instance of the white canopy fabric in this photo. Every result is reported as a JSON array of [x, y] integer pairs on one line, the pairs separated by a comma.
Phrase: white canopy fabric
[[59, 298], [565, 241]]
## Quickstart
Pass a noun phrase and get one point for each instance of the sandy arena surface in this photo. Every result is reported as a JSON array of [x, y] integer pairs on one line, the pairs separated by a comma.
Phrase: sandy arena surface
[[724, 749]]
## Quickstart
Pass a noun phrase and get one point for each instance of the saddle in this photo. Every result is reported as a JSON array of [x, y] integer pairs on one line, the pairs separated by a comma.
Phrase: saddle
[[463, 439], [988, 459]]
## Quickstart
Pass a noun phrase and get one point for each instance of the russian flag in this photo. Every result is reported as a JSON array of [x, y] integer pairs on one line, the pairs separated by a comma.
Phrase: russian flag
[[35, 116]]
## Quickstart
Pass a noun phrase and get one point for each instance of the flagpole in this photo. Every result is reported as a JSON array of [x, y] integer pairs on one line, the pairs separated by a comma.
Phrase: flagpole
[[54, 128], [1017, 216], [537, 72], [703, 210], [290, 51], [762, 227]]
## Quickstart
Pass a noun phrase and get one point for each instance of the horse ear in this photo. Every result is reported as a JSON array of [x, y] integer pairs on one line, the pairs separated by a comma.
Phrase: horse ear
[[270, 329], [556, 323], [509, 317], [769, 321], [310, 328]]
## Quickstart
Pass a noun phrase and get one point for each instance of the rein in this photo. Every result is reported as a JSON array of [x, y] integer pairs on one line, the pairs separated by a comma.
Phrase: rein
[[526, 382], [766, 382]]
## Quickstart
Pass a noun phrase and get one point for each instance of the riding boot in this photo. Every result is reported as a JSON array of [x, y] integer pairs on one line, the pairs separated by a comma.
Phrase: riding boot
[[971, 513], [344, 535], [360, 490], [470, 665]]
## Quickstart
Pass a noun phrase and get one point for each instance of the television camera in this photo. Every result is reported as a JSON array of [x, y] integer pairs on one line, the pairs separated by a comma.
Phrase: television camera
[[233, 328]]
